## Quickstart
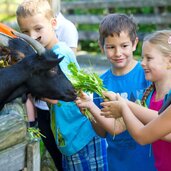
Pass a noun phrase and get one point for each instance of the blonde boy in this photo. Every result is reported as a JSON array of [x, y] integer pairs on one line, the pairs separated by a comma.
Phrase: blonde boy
[[80, 152]]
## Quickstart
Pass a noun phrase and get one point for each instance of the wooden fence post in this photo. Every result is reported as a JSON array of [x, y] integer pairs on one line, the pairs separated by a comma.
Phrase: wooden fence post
[[33, 156]]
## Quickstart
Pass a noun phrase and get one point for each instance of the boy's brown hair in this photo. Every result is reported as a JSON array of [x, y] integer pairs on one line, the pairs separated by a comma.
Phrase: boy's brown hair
[[33, 7], [114, 24]]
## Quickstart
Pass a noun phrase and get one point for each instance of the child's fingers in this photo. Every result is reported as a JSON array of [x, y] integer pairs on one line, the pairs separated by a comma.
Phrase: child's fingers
[[105, 104], [105, 109], [81, 94], [110, 95], [106, 114]]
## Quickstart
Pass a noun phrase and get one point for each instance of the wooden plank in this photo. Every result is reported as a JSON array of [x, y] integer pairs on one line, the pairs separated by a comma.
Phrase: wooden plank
[[141, 19], [12, 126], [33, 156], [72, 5], [94, 35], [88, 35], [13, 158]]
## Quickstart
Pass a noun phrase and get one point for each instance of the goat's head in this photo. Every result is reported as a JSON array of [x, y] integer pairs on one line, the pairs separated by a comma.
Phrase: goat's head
[[47, 83]]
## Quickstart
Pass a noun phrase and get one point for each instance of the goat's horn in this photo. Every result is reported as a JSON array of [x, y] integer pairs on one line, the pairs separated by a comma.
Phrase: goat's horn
[[4, 39], [35, 44]]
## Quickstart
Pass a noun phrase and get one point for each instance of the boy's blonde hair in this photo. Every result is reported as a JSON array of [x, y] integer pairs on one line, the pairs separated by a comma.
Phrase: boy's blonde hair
[[55, 5], [33, 7]]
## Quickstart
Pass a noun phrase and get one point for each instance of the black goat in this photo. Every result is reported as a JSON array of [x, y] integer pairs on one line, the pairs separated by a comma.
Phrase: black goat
[[37, 72]]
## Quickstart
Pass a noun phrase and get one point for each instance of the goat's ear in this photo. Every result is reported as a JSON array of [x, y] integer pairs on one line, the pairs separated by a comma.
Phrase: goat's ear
[[60, 59]]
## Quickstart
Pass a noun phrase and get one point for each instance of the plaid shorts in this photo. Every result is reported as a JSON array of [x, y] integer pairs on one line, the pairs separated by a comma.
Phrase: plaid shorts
[[93, 157]]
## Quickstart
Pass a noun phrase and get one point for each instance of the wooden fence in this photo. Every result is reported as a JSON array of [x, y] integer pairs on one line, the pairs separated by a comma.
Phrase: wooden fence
[[17, 152], [84, 12], [81, 13]]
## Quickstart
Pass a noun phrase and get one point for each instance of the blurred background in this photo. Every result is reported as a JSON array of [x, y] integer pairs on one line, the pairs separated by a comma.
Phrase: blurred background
[[150, 15]]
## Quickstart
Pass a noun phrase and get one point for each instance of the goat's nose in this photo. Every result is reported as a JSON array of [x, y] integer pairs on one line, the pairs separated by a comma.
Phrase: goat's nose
[[73, 94]]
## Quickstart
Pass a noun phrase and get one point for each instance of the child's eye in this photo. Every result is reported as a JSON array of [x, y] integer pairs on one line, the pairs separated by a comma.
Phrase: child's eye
[[109, 47], [149, 58], [25, 32], [38, 29], [124, 46]]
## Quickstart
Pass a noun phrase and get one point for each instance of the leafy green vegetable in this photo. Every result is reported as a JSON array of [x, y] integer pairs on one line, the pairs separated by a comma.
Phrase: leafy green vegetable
[[34, 133], [87, 82]]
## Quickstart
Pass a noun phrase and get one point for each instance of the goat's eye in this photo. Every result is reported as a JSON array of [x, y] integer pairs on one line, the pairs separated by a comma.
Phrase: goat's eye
[[52, 72]]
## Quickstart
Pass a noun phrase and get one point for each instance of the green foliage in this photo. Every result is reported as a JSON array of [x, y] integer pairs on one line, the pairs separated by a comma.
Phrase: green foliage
[[87, 82], [138, 50], [34, 134], [94, 27], [83, 81], [89, 45]]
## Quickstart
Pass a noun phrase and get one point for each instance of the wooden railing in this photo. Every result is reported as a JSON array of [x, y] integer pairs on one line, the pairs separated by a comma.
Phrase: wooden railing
[[82, 13], [159, 13], [17, 152]]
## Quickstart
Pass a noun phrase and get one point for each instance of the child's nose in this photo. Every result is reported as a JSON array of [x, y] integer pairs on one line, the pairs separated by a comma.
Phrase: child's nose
[[143, 63], [33, 35], [117, 52]]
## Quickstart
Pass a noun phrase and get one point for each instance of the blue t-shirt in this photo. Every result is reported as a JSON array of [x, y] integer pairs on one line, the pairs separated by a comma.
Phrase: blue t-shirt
[[76, 130], [124, 154]]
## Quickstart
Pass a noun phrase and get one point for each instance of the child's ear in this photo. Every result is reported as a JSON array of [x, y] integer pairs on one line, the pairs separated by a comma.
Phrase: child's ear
[[135, 44], [169, 59], [169, 62], [101, 48], [54, 22]]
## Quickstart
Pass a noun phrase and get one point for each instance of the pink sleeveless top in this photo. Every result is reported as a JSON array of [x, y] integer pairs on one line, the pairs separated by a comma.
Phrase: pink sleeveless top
[[161, 149]]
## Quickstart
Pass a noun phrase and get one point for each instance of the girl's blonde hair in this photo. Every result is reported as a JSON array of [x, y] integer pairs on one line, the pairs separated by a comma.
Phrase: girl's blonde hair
[[33, 7], [162, 40], [146, 94]]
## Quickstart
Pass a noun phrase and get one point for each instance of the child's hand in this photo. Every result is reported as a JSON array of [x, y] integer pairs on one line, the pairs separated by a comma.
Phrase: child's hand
[[83, 101], [113, 109], [109, 95]]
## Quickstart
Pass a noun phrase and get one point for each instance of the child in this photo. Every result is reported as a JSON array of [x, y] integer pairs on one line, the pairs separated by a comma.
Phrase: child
[[118, 40], [156, 62], [80, 152], [65, 29], [66, 32]]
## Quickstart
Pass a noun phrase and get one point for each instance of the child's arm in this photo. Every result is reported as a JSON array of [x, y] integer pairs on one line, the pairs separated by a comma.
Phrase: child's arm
[[144, 114], [51, 101], [101, 124], [31, 114], [154, 130], [167, 138]]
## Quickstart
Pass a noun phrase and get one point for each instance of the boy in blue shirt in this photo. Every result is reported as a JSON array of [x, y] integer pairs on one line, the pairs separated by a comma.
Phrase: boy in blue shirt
[[118, 40], [81, 148]]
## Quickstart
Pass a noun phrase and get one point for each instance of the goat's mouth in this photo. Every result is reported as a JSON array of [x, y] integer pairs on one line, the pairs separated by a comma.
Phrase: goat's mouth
[[70, 97]]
